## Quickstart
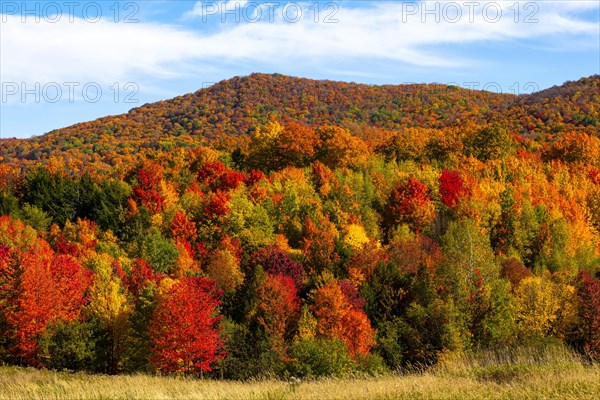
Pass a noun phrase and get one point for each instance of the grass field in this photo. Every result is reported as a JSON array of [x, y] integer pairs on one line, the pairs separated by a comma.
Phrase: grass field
[[492, 377]]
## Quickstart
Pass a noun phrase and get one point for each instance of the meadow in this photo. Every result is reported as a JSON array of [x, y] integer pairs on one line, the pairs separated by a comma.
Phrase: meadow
[[518, 375]]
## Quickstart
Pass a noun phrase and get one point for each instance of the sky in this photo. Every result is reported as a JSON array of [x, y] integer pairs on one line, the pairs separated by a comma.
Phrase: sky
[[63, 62]]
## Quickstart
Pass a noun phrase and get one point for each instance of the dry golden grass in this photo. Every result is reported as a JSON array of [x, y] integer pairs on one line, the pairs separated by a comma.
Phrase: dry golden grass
[[527, 376], [570, 383]]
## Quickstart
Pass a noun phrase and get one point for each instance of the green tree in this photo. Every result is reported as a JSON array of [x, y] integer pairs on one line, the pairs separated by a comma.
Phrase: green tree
[[491, 143], [471, 278], [68, 345]]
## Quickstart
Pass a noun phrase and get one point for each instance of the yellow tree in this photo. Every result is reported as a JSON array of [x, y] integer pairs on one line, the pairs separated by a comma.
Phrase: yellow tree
[[339, 149], [544, 307], [356, 237], [109, 307], [224, 266]]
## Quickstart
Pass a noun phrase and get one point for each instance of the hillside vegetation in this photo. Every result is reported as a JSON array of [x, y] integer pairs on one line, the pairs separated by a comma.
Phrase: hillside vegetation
[[236, 107], [250, 230]]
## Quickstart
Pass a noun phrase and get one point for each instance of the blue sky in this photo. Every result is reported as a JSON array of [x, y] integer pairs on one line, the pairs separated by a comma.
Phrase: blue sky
[[63, 62]]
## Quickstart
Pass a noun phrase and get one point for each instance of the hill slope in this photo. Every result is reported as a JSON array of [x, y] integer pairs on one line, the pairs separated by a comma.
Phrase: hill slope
[[238, 105]]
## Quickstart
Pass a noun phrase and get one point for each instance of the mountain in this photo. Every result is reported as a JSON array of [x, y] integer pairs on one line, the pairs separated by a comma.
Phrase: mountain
[[235, 107]]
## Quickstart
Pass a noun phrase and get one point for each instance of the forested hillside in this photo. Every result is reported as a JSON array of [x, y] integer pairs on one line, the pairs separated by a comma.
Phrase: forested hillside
[[279, 226], [238, 106]]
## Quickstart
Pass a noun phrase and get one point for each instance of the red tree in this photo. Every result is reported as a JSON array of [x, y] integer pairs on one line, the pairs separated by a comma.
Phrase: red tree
[[254, 176], [278, 307], [588, 293], [231, 180], [452, 187], [146, 191], [514, 271], [352, 295], [409, 204], [217, 176], [49, 288], [184, 331], [211, 172], [217, 205], [149, 175], [183, 228], [141, 275]]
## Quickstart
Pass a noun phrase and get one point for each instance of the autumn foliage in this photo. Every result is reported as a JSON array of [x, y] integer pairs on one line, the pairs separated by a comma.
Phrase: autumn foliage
[[184, 328], [452, 187], [43, 288], [339, 316], [278, 308], [410, 204], [588, 293], [304, 228]]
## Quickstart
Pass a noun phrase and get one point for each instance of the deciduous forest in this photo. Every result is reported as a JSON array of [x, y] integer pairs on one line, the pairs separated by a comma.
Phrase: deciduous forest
[[285, 227]]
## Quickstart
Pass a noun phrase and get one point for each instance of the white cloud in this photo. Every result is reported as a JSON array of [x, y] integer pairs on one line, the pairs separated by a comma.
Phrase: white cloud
[[207, 8], [107, 52]]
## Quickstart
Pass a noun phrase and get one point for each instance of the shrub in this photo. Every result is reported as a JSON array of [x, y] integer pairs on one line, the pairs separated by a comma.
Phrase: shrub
[[313, 358], [68, 345]]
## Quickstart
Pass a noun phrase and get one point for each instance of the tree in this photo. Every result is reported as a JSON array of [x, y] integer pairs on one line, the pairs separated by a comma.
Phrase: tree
[[141, 275], [471, 279], [139, 343], [278, 308], [337, 318], [408, 204], [276, 261], [410, 254], [182, 228], [159, 251], [317, 357], [491, 143], [184, 328], [452, 187], [544, 307], [68, 345], [514, 271], [224, 265], [110, 309], [339, 149], [363, 263], [319, 245], [149, 176], [262, 146], [215, 175], [217, 205], [588, 297], [295, 146], [574, 148], [185, 262], [48, 288], [53, 193], [356, 237], [109, 206]]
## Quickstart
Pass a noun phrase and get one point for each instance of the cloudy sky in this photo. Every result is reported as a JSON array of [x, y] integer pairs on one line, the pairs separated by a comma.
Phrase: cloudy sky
[[63, 62]]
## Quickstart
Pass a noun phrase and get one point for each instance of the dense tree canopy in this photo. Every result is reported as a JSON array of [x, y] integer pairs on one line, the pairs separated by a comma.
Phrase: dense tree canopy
[[273, 225]]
